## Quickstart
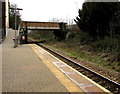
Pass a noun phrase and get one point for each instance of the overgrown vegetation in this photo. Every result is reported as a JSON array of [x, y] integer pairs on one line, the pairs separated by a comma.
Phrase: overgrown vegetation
[[102, 22], [102, 52], [41, 35], [97, 37], [60, 35]]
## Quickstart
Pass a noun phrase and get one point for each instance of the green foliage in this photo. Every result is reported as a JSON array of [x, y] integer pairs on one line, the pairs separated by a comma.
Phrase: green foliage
[[108, 45], [60, 35], [41, 35], [94, 17], [101, 20], [85, 38], [88, 53]]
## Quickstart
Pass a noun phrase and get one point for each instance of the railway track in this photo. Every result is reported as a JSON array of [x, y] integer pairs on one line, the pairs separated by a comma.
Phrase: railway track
[[103, 81]]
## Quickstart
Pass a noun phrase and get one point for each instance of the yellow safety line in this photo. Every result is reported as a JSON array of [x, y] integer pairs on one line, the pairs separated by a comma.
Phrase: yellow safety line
[[78, 72], [67, 83]]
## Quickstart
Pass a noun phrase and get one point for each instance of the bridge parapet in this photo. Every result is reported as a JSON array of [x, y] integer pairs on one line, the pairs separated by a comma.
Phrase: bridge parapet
[[43, 25]]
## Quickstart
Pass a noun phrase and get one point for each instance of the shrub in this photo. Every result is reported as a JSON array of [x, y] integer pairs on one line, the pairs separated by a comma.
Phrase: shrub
[[107, 44]]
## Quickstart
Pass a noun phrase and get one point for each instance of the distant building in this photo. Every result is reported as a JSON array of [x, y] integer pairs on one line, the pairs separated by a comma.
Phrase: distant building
[[4, 18]]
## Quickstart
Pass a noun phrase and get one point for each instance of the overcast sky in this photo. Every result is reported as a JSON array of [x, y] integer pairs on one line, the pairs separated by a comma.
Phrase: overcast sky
[[45, 10]]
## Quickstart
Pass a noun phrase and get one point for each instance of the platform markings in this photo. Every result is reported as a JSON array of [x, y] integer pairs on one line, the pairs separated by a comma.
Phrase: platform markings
[[70, 86], [79, 73], [59, 67], [75, 71]]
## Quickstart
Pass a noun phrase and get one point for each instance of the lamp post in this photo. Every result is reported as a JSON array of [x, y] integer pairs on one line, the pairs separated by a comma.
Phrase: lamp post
[[16, 39]]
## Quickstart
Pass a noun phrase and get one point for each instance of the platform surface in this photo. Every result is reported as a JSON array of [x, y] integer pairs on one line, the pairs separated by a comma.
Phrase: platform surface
[[23, 71], [30, 68]]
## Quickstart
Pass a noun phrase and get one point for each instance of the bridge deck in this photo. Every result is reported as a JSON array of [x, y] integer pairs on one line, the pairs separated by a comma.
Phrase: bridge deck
[[43, 25]]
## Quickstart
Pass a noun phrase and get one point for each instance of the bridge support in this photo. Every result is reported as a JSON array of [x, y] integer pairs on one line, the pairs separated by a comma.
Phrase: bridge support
[[26, 35]]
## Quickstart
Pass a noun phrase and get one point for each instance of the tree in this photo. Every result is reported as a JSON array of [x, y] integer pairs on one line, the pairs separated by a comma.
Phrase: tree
[[95, 17], [12, 17], [54, 20]]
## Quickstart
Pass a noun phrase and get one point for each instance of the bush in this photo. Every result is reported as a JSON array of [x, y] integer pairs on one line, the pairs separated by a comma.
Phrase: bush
[[107, 44], [41, 35], [60, 35], [85, 38]]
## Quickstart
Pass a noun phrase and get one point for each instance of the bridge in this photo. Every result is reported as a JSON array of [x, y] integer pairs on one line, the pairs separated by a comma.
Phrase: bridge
[[49, 26], [43, 25]]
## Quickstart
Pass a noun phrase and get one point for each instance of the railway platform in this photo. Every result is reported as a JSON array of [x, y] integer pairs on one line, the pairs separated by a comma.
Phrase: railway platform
[[29, 68], [24, 71]]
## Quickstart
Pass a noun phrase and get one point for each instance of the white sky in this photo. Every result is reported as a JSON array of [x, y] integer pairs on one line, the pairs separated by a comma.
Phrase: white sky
[[45, 10]]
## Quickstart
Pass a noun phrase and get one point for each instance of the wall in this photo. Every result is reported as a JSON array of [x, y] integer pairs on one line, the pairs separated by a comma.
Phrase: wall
[[0, 21], [3, 20]]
